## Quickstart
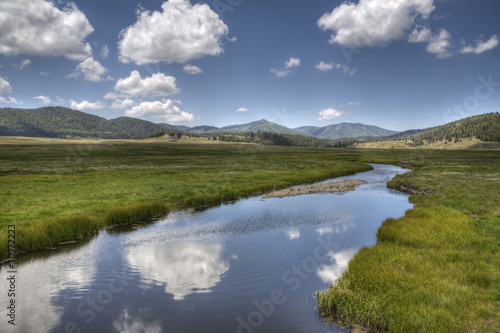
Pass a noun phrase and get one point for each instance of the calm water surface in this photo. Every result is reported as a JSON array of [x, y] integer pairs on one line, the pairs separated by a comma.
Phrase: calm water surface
[[250, 266]]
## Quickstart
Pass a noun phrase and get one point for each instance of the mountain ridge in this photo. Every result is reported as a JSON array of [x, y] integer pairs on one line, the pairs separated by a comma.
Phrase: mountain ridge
[[63, 122], [67, 123]]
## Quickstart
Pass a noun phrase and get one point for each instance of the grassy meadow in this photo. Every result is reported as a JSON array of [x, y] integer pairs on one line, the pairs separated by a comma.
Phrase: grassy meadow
[[437, 269], [56, 191]]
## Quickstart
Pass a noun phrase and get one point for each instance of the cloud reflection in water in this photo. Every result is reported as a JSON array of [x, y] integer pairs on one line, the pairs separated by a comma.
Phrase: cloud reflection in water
[[185, 267]]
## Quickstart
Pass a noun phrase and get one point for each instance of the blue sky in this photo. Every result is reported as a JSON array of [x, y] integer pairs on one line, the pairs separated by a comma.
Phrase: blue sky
[[398, 64]]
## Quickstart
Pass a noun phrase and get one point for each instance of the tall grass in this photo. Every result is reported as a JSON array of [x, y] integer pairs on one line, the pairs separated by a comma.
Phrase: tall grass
[[436, 269]]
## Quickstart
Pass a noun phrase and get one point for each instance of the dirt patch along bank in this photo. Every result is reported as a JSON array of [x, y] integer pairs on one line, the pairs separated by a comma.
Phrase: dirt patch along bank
[[330, 187]]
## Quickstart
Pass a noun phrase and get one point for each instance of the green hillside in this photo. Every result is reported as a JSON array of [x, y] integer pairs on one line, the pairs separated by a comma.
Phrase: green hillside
[[60, 122], [485, 127], [261, 125], [344, 130]]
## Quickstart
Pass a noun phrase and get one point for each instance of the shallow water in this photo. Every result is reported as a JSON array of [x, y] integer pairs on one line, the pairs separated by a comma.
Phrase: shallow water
[[249, 266]]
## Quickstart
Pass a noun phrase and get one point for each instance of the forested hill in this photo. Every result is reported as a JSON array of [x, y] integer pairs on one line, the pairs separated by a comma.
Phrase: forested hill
[[344, 130], [63, 122], [485, 127]]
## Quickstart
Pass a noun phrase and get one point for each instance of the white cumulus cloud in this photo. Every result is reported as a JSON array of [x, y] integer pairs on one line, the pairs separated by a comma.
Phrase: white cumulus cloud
[[192, 69], [293, 62], [438, 44], [5, 87], [373, 22], [165, 109], [179, 33], [86, 105], [38, 27], [481, 46], [91, 70], [150, 87], [43, 99], [123, 104], [287, 68], [243, 110], [325, 67], [328, 114]]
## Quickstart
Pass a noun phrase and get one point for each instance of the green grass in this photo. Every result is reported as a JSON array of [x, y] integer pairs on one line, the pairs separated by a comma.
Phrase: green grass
[[55, 192], [437, 269], [434, 270]]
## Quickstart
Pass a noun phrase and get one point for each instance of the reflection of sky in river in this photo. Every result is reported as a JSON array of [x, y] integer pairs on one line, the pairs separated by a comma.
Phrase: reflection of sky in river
[[184, 267], [201, 270]]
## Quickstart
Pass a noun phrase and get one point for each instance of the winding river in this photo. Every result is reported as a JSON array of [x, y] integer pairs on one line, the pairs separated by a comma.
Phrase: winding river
[[248, 266]]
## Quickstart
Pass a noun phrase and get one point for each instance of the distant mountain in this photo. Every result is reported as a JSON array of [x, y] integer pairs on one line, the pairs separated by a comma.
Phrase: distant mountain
[[136, 127], [344, 130], [63, 122], [174, 128], [203, 129], [260, 125]]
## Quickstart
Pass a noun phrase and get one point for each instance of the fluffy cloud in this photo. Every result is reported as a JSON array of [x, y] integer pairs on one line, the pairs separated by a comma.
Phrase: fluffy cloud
[[373, 22], [166, 110], [179, 33], [325, 67], [37, 27], [11, 100], [123, 104], [481, 46], [243, 110], [91, 70], [85, 105], [438, 44], [43, 99], [420, 36], [293, 62], [5, 87], [150, 87], [328, 114], [192, 69], [286, 70]]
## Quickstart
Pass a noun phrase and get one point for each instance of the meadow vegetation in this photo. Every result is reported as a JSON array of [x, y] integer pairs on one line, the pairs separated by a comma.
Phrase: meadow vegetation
[[60, 191], [436, 269]]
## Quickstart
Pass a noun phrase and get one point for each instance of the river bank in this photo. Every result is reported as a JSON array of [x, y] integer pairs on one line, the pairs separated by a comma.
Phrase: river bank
[[436, 269]]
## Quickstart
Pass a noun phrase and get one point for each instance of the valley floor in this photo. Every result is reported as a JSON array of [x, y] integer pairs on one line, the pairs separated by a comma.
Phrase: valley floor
[[434, 270]]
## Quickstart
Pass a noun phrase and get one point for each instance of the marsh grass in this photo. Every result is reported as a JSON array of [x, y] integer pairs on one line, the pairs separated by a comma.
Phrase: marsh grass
[[436, 269], [56, 192]]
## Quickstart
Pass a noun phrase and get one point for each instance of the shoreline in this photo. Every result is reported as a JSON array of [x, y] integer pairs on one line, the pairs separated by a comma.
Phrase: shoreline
[[340, 186]]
